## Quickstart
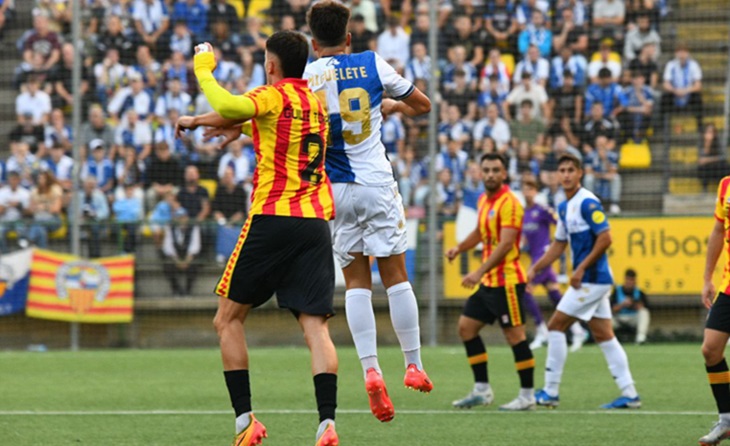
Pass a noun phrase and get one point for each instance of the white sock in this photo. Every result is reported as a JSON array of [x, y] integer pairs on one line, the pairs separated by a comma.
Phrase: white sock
[[361, 320], [557, 352], [242, 422], [725, 417], [578, 332], [404, 316], [528, 394], [481, 387], [322, 426], [542, 331], [618, 364]]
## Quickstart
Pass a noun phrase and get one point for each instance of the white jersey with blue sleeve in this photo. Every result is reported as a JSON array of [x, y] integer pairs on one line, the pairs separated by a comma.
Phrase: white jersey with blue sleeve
[[581, 220], [351, 87]]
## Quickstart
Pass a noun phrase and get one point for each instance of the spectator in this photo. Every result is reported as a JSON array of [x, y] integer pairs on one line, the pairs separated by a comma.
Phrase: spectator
[[42, 41], [109, 75], [536, 34], [115, 37], [128, 211], [530, 91], [175, 99], [601, 177], [453, 159], [7, 12], [560, 147], [99, 166], [57, 132], [362, 38], [252, 72], [369, 13], [162, 175], [221, 10], [493, 127], [524, 163], [683, 85], [182, 40], [457, 61], [568, 62], [177, 69], [501, 24], [607, 92], [453, 127], [393, 136], [492, 95], [181, 245], [62, 79], [394, 42], [151, 22], [237, 160], [597, 125], [608, 19], [410, 176], [630, 307], [136, 133], [527, 8], [419, 67], [646, 66], [420, 32], [405, 7], [161, 216], [230, 205], [495, 67], [712, 166], [14, 207], [254, 39], [536, 65], [640, 36], [94, 211], [461, 33], [569, 34], [28, 132], [134, 97], [128, 170], [580, 11], [33, 101], [605, 59], [166, 132], [447, 194], [462, 95], [61, 165], [147, 66], [526, 128], [45, 207], [473, 186], [638, 102], [97, 128], [567, 100], [194, 13], [193, 197], [23, 162]]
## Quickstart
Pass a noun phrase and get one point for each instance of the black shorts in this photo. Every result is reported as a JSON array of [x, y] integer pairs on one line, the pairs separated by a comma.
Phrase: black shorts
[[503, 304], [289, 256], [719, 317]]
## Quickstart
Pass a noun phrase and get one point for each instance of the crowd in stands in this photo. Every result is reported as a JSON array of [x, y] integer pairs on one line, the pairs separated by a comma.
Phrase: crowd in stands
[[530, 79]]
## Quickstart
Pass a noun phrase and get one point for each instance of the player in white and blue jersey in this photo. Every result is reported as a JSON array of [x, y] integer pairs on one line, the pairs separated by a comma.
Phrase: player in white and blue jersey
[[370, 220], [582, 223]]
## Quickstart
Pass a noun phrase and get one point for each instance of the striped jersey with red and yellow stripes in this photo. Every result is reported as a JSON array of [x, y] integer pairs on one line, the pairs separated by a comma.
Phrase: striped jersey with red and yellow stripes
[[289, 130], [502, 210], [722, 214]]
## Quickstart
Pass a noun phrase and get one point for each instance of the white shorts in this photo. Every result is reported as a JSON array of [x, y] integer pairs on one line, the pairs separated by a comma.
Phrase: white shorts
[[369, 219], [591, 300]]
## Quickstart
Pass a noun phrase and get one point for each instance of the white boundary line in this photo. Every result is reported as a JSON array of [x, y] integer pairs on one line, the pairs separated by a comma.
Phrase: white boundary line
[[16, 413]]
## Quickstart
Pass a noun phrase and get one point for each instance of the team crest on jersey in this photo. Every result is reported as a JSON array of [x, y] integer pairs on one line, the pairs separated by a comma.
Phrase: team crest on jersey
[[598, 217]]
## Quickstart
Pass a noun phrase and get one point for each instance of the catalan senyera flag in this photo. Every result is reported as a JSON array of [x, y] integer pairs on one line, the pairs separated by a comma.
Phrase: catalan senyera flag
[[68, 288]]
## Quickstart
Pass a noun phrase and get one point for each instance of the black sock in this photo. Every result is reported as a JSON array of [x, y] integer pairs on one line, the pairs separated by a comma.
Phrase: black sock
[[239, 389], [325, 390], [476, 352], [719, 377], [525, 364]]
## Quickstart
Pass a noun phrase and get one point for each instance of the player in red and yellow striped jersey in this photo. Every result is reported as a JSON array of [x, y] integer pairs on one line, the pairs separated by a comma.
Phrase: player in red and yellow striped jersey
[[501, 281], [285, 245], [717, 326]]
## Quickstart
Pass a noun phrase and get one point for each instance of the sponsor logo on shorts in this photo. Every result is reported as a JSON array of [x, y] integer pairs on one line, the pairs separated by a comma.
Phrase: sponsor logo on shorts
[[505, 319]]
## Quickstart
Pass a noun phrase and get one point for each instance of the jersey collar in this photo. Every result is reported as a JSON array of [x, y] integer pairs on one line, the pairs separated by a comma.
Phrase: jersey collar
[[292, 80], [502, 191]]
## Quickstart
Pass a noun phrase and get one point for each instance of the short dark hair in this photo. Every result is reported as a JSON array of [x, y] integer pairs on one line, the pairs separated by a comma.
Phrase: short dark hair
[[604, 73], [529, 182], [570, 158], [493, 156], [292, 49], [526, 103], [327, 22], [630, 272]]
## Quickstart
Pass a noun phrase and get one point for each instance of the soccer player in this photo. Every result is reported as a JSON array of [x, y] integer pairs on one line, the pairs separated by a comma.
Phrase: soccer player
[[285, 246], [582, 223], [717, 327], [536, 230], [501, 281], [370, 218]]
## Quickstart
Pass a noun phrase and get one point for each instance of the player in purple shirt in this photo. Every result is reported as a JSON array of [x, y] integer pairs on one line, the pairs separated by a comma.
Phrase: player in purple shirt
[[536, 235]]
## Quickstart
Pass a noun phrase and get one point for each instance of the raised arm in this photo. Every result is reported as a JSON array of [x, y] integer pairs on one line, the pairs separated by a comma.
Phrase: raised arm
[[221, 100]]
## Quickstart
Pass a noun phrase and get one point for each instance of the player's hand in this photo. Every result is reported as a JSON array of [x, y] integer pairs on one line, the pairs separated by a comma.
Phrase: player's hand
[[184, 123], [452, 253], [708, 294], [577, 279], [204, 60], [388, 107], [472, 279], [228, 134]]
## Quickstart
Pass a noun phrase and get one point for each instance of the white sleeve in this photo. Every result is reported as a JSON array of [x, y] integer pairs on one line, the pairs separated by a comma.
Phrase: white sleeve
[[478, 130], [167, 246], [543, 96], [25, 199], [543, 69], [521, 19], [668, 72], [84, 174], [46, 104], [222, 164], [695, 71], [145, 133], [561, 234], [160, 106], [195, 245], [396, 86], [3, 197], [517, 75], [115, 105]]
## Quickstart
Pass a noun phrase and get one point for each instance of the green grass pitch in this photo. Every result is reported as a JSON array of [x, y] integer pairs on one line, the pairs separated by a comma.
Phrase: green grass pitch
[[110, 398]]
